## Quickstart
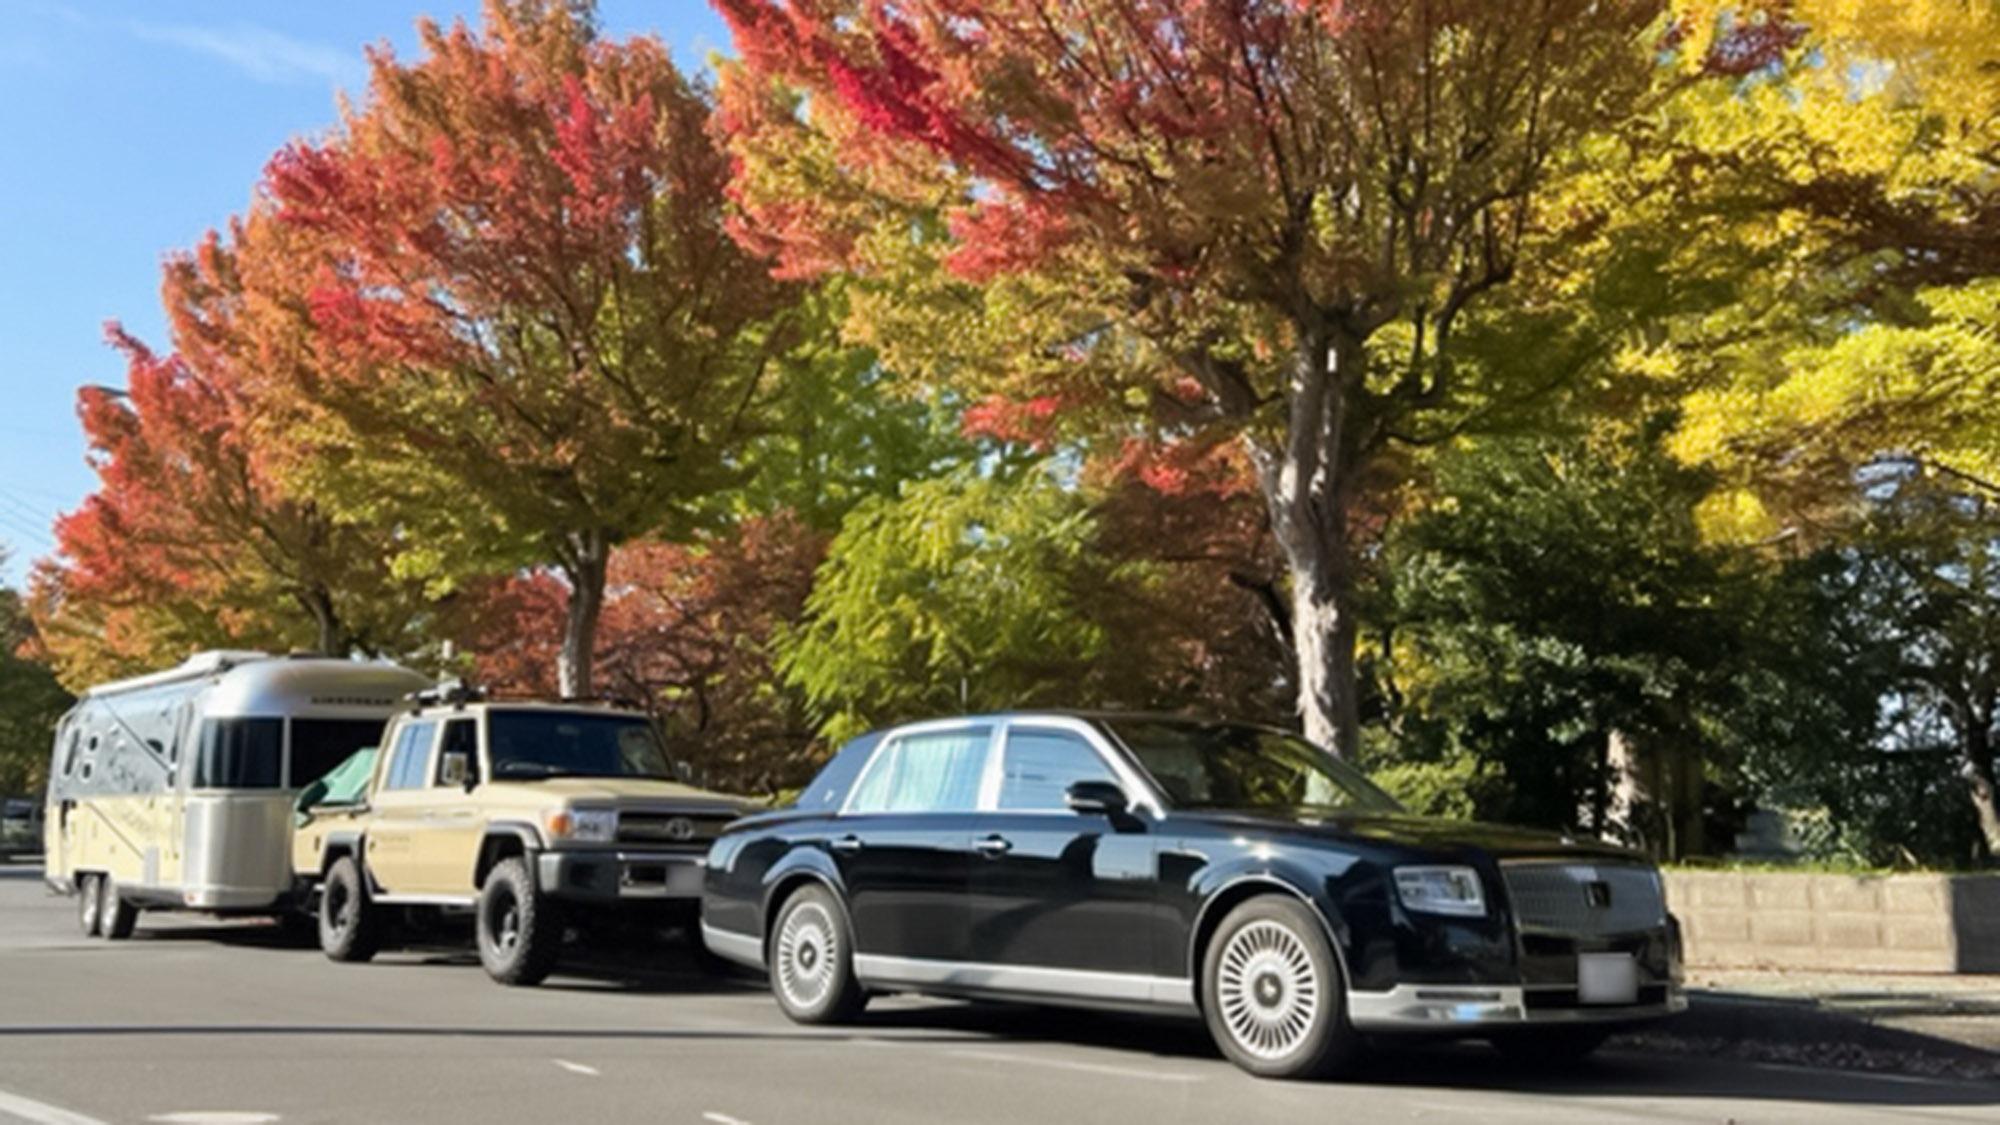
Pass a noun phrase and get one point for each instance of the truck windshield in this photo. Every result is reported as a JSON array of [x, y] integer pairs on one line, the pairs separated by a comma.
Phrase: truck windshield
[[1233, 766], [530, 743]]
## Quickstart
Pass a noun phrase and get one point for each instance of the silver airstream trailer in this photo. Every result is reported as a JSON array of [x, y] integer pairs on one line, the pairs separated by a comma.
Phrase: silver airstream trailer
[[175, 790]]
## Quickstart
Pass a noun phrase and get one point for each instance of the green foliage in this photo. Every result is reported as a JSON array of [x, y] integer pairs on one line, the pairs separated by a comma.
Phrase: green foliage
[[955, 596], [30, 701]]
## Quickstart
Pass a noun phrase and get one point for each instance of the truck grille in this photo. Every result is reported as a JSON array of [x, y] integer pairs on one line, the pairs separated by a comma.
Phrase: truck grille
[[1589, 900], [694, 831]]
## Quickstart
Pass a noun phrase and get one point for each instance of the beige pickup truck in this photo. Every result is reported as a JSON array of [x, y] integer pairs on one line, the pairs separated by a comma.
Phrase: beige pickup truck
[[533, 816]]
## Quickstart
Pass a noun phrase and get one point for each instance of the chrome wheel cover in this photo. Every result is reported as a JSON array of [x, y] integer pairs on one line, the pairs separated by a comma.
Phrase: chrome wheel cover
[[1267, 989], [807, 947]]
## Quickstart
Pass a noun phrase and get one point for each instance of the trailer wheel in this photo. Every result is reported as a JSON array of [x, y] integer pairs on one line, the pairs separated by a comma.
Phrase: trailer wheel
[[350, 927], [520, 930], [89, 906], [119, 916]]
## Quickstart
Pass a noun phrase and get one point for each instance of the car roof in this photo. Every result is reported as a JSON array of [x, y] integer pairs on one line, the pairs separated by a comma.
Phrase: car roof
[[1098, 716]]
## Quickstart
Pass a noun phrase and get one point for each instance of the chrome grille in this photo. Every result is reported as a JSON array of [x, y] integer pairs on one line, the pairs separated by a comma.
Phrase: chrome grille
[[671, 829], [1584, 899]]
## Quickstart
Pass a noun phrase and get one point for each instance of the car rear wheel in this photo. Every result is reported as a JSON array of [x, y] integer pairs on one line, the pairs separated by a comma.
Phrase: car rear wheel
[[1272, 992], [350, 927], [520, 932], [89, 906], [812, 960], [118, 915]]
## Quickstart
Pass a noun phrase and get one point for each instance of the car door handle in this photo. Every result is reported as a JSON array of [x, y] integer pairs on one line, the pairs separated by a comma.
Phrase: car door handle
[[993, 847], [848, 843]]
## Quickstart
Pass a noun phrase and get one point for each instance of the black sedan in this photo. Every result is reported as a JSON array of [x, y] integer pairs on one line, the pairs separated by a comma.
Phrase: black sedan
[[1220, 870]]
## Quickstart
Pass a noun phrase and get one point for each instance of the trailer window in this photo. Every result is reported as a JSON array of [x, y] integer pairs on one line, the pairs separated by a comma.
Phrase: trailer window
[[240, 754], [318, 745]]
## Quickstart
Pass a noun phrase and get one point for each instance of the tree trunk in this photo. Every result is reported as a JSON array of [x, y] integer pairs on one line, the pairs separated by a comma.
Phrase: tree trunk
[[1306, 486], [584, 567], [334, 639], [1977, 748]]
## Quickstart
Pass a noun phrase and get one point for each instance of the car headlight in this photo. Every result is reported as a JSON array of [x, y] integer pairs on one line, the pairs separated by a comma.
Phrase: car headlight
[[585, 826], [1441, 890]]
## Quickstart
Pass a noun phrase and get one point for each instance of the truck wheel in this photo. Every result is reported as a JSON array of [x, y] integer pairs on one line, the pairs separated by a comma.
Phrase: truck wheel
[[350, 928], [89, 906], [118, 915], [1272, 994], [812, 960], [520, 931]]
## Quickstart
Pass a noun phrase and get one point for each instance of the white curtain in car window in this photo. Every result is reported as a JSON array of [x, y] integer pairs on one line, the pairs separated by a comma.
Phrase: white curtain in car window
[[930, 773]]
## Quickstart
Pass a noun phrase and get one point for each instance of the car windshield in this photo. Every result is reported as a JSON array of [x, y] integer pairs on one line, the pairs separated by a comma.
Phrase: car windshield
[[1230, 766], [531, 743]]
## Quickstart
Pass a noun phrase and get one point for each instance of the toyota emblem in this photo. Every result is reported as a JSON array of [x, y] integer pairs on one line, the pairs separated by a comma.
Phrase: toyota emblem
[[680, 828]]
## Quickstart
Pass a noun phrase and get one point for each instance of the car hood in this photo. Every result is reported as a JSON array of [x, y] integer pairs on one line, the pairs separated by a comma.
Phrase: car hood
[[619, 791], [1412, 831]]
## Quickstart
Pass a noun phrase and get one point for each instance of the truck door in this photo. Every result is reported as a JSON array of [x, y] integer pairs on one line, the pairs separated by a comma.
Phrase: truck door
[[399, 804], [448, 842]]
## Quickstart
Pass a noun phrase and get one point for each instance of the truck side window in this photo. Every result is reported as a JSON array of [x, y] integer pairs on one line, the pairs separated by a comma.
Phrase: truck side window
[[413, 749], [461, 736]]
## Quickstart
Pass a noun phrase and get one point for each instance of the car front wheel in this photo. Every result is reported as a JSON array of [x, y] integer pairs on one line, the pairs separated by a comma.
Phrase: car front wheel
[[1272, 992], [812, 960], [520, 932]]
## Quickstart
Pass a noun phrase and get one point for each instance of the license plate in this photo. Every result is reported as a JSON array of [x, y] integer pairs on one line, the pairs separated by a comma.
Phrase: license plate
[[1607, 978]]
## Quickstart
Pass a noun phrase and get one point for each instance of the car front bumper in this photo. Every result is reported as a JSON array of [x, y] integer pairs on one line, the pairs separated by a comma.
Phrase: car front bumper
[[1478, 1007], [620, 876]]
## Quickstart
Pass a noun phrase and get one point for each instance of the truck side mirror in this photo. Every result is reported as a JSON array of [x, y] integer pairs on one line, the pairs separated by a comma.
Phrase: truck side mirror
[[456, 770]]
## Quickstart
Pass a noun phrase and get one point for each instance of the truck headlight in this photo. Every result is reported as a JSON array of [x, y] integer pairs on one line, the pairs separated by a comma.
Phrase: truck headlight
[[585, 826], [1441, 890]]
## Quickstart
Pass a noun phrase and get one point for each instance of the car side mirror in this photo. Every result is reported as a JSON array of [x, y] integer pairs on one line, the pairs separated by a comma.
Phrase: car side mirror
[[456, 770], [1096, 797]]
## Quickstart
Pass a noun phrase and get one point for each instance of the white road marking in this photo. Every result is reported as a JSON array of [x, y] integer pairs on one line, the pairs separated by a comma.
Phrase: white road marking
[[1082, 1067], [723, 1118], [40, 1113], [577, 1068], [214, 1117]]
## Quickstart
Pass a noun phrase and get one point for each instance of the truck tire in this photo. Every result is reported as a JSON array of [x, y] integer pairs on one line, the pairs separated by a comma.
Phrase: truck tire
[[89, 906], [119, 916], [350, 928], [520, 931]]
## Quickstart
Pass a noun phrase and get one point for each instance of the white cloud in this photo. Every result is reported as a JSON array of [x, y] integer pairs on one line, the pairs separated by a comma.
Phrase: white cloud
[[263, 54]]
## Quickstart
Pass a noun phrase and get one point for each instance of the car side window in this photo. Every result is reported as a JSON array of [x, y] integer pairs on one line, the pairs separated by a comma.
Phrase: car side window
[[927, 772], [1037, 767], [413, 747], [461, 736]]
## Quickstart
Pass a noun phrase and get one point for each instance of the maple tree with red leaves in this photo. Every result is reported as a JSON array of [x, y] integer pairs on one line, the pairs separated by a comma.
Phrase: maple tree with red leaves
[[1293, 203], [537, 334]]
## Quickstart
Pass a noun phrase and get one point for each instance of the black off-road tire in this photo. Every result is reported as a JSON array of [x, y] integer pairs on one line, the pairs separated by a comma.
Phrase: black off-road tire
[[1272, 993], [520, 931], [90, 906], [812, 959], [1551, 1046], [350, 926], [119, 915]]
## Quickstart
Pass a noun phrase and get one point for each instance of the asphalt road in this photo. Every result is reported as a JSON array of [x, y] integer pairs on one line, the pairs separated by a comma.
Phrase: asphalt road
[[194, 1022]]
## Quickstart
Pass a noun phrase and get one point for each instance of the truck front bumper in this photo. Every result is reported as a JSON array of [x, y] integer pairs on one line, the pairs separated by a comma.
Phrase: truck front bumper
[[620, 876]]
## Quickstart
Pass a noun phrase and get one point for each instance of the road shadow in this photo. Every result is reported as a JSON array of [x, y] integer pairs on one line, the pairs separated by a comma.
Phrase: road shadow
[[1624, 1068]]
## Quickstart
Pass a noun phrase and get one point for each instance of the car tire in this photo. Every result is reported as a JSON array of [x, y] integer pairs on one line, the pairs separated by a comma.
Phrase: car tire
[[89, 906], [1272, 993], [812, 959], [520, 932], [1551, 1046], [119, 916], [350, 926]]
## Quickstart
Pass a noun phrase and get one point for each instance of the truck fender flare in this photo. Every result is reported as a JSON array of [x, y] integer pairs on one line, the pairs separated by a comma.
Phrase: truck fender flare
[[526, 834]]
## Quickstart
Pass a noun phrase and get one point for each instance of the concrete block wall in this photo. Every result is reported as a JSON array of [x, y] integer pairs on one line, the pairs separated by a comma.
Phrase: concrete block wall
[[1865, 923]]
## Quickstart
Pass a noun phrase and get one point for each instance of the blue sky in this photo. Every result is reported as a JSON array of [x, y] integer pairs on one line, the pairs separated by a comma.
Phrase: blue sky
[[129, 128]]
